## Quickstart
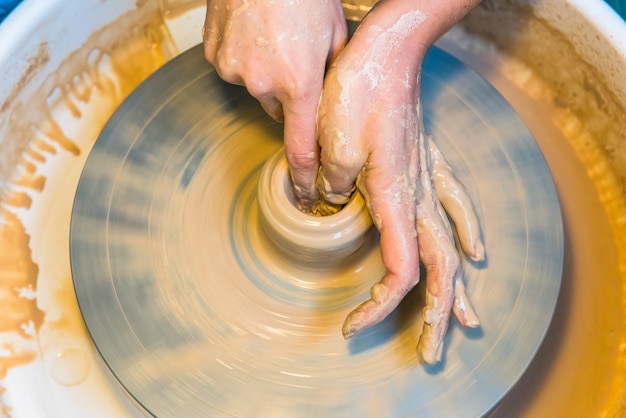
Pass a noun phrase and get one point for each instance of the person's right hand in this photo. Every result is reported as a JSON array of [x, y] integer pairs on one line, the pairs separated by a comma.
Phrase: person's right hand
[[371, 135], [279, 51]]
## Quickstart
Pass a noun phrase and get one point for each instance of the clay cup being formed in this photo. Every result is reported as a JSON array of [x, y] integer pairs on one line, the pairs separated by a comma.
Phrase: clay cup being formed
[[308, 238]]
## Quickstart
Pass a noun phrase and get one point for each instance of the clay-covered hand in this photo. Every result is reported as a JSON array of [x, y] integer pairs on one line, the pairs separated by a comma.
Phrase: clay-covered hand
[[445, 291], [279, 51], [370, 134]]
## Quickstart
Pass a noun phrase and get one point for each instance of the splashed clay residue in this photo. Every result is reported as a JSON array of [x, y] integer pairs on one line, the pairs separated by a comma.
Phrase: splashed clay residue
[[38, 60], [18, 309], [54, 132]]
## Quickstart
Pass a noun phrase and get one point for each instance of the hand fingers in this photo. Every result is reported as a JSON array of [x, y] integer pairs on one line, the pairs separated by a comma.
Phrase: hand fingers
[[226, 66], [340, 38], [330, 202], [209, 37], [301, 149], [344, 147], [439, 255], [391, 201], [398, 251], [457, 204], [213, 34], [272, 107], [342, 161], [437, 310], [462, 307], [441, 260]]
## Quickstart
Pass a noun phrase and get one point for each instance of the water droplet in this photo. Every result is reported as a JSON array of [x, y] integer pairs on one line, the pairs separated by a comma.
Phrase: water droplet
[[69, 367]]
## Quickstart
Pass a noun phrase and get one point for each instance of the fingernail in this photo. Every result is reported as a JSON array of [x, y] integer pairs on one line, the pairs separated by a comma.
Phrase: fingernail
[[479, 252], [471, 319], [350, 326], [429, 347], [462, 308]]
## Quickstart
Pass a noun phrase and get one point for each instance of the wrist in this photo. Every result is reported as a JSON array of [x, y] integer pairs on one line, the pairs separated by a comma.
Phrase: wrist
[[414, 24]]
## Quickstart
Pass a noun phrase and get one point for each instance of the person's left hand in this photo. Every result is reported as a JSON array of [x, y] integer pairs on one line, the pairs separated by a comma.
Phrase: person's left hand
[[370, 134]]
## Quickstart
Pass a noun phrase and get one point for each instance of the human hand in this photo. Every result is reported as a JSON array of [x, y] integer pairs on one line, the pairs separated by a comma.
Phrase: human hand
[[370, 134], [279, 51], [445, 290]]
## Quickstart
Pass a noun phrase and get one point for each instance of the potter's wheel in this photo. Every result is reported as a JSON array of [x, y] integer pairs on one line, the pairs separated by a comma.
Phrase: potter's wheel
[[193, 316]]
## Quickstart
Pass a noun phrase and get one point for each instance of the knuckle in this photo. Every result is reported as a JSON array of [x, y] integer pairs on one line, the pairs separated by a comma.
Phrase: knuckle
[[447, 260], [301, 161], [451, 261], [257, 86], [440, 256], [338, 151], [224, 68], [257, 80], [296, 87], [209, 51], [210, 54], [211, 41], [300, 79]]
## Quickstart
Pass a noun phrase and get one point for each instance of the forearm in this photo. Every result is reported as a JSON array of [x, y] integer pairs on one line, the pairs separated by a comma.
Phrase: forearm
[[416, 24]]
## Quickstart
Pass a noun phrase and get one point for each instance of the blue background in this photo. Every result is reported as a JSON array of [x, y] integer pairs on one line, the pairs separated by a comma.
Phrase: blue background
[[7, 5], [619, 6]]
